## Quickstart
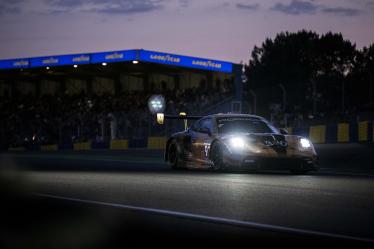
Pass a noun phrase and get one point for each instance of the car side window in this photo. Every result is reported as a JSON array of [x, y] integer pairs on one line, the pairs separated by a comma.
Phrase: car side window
[[196, 126], [207, 124]]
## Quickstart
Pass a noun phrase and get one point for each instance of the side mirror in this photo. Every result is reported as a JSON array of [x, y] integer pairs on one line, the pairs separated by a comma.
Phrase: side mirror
[[283, 131]]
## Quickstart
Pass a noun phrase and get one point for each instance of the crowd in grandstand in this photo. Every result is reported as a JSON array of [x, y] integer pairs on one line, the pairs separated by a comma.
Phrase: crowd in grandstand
[[65, 118]]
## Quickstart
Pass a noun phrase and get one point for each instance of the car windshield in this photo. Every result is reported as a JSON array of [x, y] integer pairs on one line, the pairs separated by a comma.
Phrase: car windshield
[[243, 125]]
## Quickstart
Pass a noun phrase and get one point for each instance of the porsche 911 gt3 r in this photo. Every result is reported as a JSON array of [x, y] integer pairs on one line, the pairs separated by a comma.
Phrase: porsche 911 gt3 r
[[224, 141]]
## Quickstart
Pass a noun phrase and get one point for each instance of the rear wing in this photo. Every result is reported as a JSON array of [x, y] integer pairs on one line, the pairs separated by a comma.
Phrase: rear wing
[[182, 116]]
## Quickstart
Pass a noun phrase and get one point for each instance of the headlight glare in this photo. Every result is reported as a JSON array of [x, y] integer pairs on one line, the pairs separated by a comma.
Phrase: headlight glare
[[305, 143], [237, 143]]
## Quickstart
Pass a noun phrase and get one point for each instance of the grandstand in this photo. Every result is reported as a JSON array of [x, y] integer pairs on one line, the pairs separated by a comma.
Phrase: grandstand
[[101, 97]]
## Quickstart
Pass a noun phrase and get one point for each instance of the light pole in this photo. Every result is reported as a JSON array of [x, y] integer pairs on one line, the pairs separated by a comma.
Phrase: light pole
[[238, 79], [284, 96], [314, 96], [254, 101], [371, 79], [314, 89], [343, 96], [345, 74]]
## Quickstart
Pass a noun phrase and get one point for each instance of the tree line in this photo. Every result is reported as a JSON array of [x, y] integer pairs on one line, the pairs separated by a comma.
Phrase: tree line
[[318, 72]]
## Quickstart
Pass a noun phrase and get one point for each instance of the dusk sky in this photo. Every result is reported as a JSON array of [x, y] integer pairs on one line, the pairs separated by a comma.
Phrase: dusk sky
[[218, 29]]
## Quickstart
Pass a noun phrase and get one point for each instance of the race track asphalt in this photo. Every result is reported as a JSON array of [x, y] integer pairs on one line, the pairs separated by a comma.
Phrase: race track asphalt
[[325, 202]]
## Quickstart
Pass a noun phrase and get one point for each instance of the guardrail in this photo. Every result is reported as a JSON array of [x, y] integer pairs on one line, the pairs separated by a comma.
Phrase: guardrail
[[362, 132], [337, 133]]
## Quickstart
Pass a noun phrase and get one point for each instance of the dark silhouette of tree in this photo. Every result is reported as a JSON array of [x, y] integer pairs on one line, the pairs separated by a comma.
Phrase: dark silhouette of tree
[[286, 58], [368, 70], [312, 67]]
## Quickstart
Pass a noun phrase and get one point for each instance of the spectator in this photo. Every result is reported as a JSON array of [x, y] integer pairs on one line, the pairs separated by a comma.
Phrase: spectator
[[67, 118]]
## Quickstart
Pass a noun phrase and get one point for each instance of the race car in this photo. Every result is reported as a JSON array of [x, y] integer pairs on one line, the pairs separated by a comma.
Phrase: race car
[[239, 141]]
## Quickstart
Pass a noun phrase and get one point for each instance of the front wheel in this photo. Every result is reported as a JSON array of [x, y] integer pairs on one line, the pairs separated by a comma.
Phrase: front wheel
[[216, 155], [299, 171]]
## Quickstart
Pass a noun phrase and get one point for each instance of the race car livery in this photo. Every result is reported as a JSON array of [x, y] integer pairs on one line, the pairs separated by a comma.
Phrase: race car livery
[[227, 141]]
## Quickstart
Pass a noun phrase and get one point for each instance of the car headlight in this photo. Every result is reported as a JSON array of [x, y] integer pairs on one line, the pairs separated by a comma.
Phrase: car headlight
[[237, 143], [305, 143]]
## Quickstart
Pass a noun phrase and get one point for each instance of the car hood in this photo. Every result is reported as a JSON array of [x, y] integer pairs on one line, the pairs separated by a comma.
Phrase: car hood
[[256, 137]]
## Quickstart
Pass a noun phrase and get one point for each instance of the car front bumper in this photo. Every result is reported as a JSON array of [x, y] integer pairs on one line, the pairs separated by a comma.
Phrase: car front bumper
[[280, 162]]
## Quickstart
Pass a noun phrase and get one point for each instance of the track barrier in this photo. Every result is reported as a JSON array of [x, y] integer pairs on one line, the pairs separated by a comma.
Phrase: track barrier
[[361, 132]]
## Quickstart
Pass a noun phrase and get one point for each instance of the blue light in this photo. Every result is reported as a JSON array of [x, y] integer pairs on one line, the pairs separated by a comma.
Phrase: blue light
[[118, 56], [60, 60], [185, 61], [114, 56], [13, 64]]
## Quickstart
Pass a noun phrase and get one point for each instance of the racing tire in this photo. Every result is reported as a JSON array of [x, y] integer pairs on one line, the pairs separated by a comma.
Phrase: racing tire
[[216, 155], [300, 171], [173, 157]]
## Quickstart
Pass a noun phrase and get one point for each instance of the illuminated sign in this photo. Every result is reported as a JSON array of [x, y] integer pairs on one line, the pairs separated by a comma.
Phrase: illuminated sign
[[81, 59], [61, 60], [12, 64], [119, 56], [116, 56], [160, 118], [185, 61]]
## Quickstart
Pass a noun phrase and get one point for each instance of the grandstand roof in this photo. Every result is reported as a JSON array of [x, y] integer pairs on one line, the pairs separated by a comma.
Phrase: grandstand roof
[[119, 56]]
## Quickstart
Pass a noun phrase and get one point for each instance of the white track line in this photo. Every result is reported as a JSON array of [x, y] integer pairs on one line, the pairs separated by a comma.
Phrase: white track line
[[213, 219]]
